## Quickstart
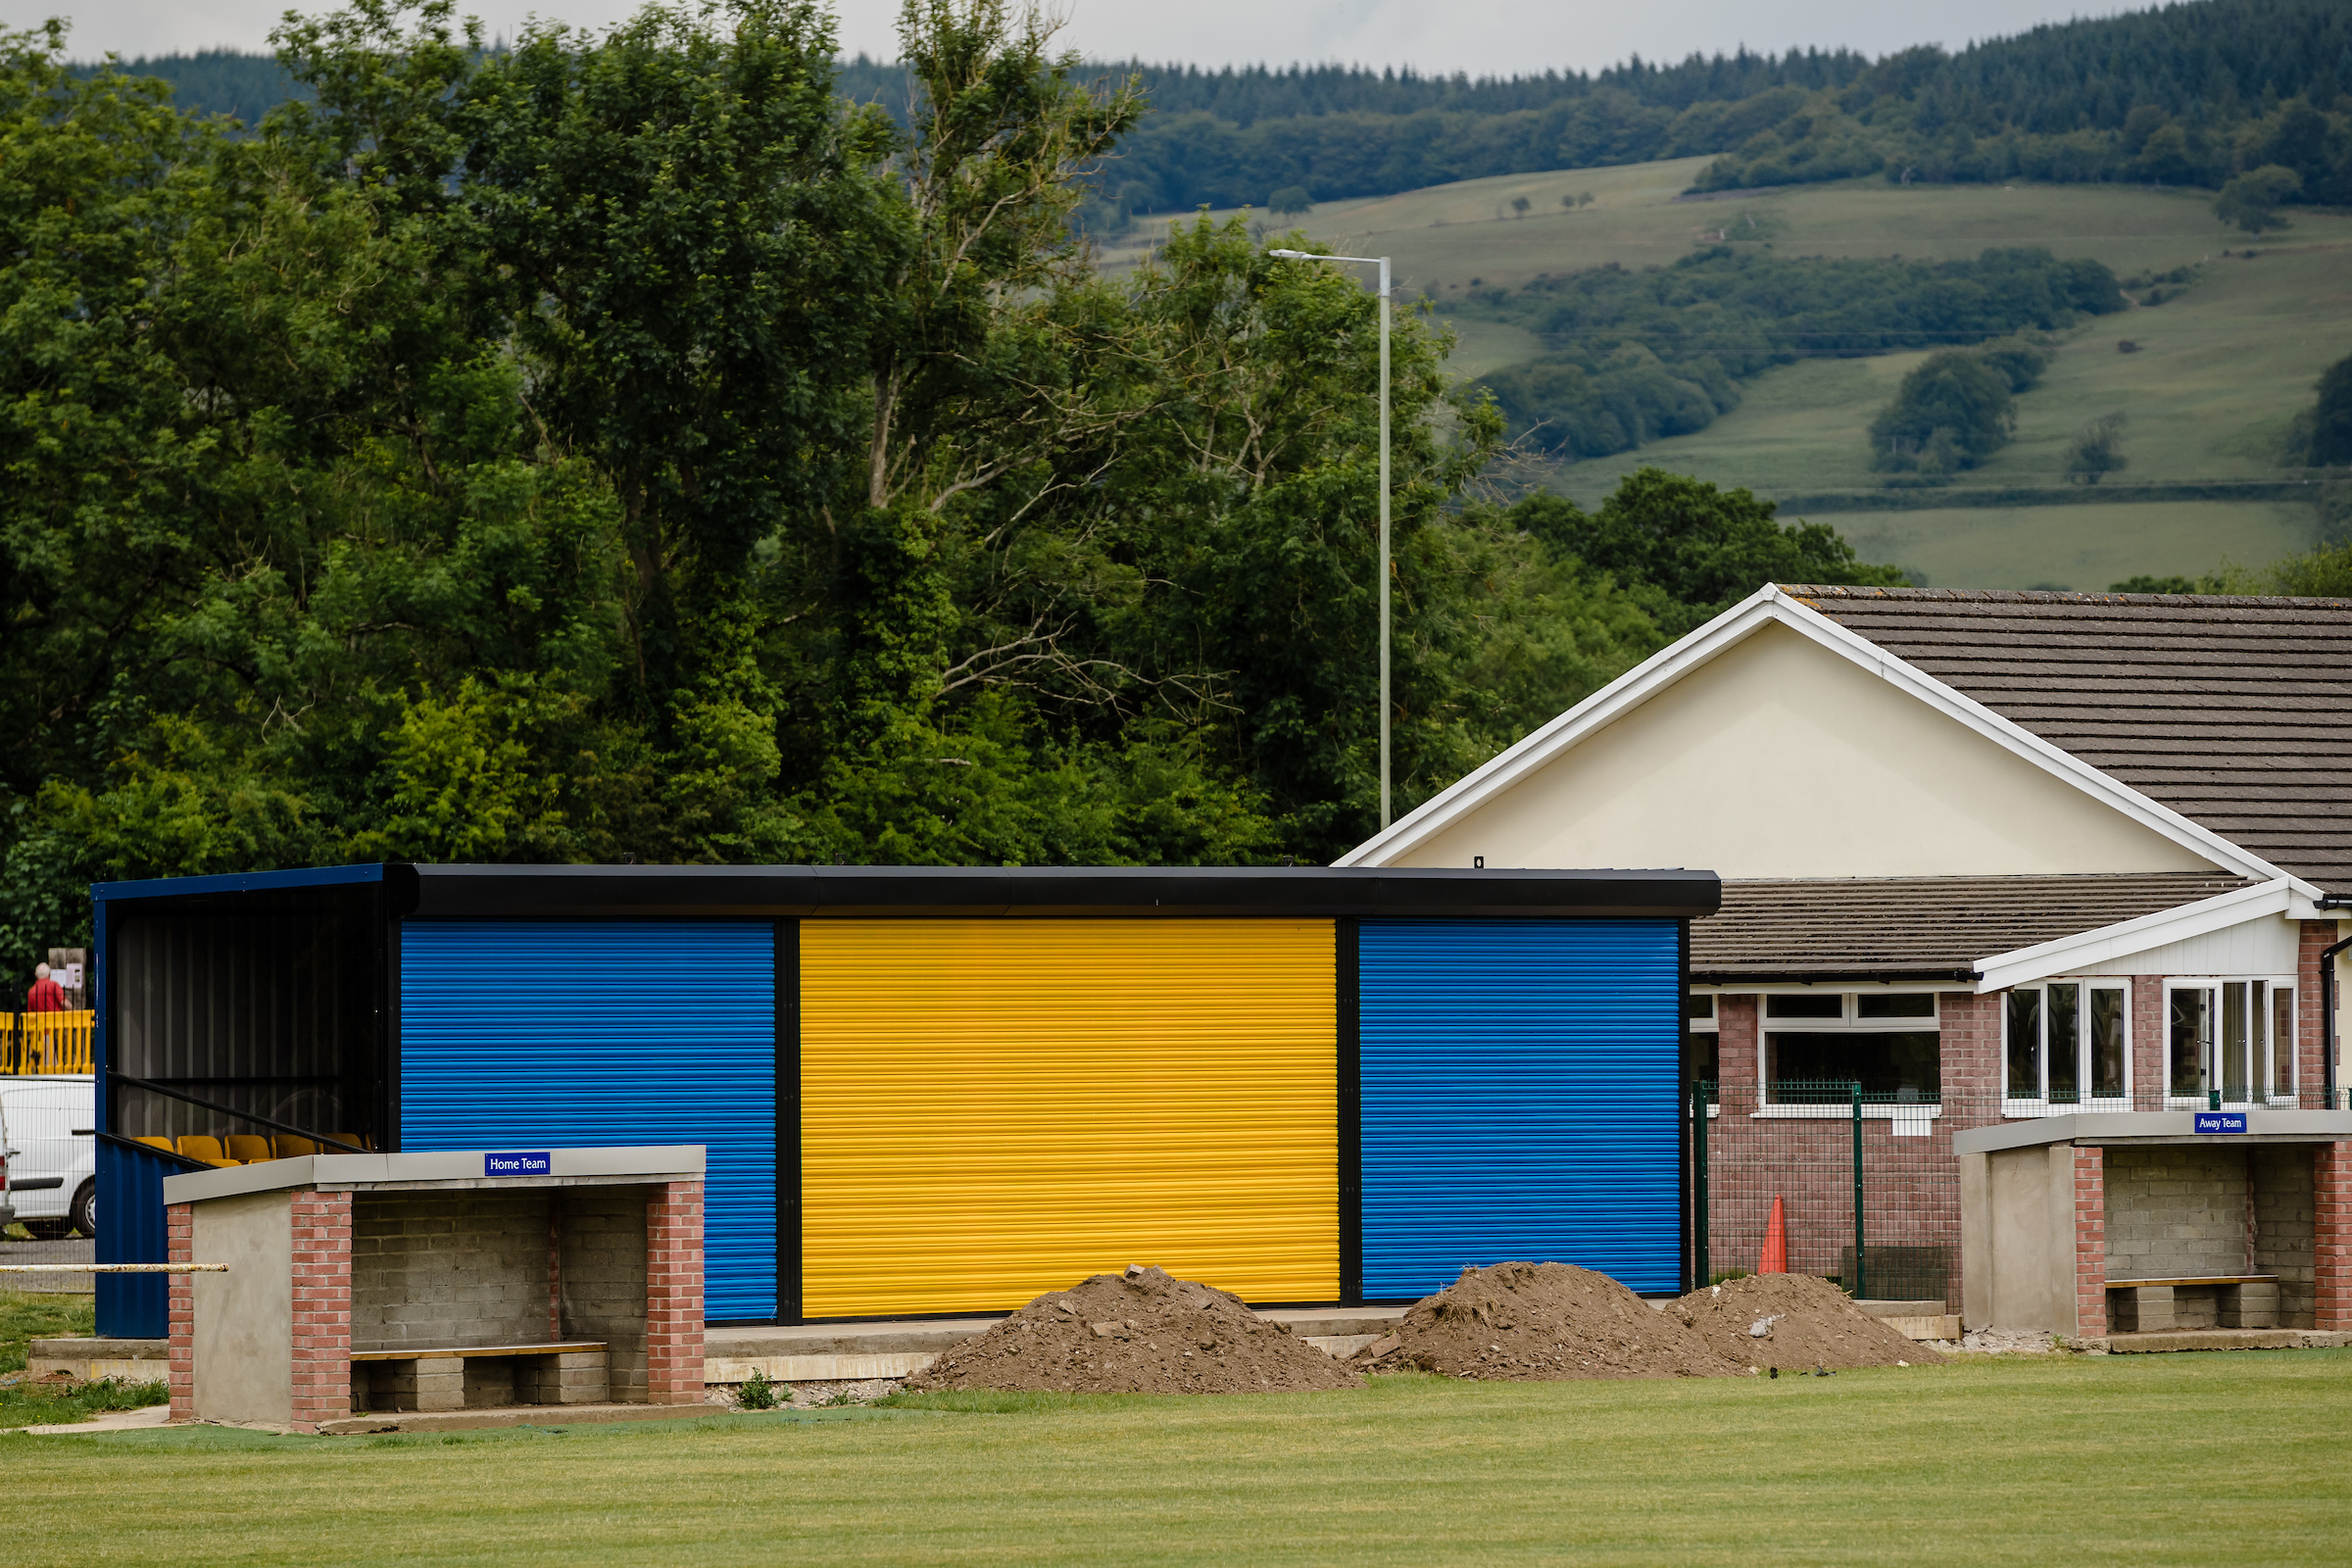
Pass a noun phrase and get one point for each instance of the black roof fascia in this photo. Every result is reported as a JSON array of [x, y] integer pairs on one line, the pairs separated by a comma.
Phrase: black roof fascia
[[805, 892], [1891, 975], [279, 892]]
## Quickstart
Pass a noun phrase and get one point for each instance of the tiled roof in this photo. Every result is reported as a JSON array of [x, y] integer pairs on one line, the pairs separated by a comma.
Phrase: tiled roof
[[1915, 928], [2234, 712]]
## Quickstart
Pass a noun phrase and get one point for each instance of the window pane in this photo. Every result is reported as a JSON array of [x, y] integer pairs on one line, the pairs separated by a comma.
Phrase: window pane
[[1812, 1007], [1883, 1007], [2257, 1043], [1820, 1068], [2190, 1035], [2235, 1014], [2025, 1045], [2066, 1049], [1701, 1008], [2282, 1040], [2106, 1043]]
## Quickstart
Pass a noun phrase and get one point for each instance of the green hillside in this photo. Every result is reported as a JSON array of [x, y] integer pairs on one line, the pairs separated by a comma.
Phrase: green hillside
[[2221, 367]]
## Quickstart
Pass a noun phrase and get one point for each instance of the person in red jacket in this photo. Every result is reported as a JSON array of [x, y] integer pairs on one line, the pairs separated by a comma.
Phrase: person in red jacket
[[47, 994]]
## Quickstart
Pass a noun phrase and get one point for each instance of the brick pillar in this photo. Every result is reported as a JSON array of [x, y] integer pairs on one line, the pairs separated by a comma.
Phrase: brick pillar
[[2310, 1012], [2332, 1236], [673, 1295], [181, 1225], [2090, 1242], [321, 1307]]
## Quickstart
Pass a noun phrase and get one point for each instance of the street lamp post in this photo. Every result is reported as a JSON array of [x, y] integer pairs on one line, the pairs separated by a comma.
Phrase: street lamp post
[[1382, 262]]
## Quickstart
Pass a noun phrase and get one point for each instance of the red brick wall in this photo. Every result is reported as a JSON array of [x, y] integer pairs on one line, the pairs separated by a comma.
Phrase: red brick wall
[[2091, 1241], [2147, 1042], [673, 1295], [2311, 1023], [2332, 1236], [180, 1227], [321, 1307]]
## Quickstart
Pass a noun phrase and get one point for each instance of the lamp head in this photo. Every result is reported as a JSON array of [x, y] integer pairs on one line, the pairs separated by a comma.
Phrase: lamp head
[[1291, 256]]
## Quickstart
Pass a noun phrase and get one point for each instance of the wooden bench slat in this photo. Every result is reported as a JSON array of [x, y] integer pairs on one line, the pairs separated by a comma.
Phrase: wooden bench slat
[[2207, 1278], [479, 1349]]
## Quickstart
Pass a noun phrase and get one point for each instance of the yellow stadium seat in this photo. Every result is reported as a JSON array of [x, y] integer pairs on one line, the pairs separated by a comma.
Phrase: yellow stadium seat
[[246, 1149], [290, 1147], [164, 1143], [356, 1140], [195, 1145]]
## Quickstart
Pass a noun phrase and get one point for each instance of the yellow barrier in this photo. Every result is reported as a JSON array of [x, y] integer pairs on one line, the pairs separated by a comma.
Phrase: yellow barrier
[[45, 1042]]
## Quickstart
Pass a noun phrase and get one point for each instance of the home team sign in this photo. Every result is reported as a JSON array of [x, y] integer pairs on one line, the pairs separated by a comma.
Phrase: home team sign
[[539, 1164]]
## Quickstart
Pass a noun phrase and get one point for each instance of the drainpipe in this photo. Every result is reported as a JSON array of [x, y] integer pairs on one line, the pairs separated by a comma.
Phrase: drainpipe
[[2328, 996]]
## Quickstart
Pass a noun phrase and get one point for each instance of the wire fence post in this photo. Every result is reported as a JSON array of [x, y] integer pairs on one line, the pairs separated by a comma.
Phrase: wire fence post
[[1861, 1274], [1701, 1278]]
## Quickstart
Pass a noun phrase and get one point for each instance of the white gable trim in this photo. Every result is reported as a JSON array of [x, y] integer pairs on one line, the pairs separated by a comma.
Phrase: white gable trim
[[2088, 950], [1768, 606]]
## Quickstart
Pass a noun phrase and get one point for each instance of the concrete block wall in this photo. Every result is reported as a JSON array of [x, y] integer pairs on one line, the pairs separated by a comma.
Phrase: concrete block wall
[[2177, 1209], [2283, 1226], [600, 1275], [442, 1268]]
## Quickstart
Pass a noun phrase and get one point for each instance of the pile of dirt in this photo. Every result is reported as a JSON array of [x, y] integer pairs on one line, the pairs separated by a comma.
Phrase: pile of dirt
[[1533, 1322], [1140, 1333], [1806, 1322]]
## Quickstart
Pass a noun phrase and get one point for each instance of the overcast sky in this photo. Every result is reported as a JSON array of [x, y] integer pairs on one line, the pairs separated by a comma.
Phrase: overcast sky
[[1481, 37]]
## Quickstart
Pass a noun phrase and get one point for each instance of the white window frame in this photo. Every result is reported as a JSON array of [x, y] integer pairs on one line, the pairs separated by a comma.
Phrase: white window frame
[[2042, 1105], [2264, 1016], [1848, 1022]]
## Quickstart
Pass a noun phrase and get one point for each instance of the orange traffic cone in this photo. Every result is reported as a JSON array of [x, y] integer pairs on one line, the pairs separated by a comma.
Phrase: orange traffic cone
[[1776, 1242]]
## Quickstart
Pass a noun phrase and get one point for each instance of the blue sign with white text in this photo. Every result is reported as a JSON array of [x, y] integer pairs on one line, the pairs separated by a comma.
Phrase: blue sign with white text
[[521, 1165], [2221, 1122]]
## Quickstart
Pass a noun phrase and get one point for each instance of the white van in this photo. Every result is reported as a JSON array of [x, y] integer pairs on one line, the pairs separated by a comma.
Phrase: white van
[[52, 1153]]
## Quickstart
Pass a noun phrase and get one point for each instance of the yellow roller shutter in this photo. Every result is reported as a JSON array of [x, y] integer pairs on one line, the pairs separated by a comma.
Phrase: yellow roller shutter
[[995, 1108]]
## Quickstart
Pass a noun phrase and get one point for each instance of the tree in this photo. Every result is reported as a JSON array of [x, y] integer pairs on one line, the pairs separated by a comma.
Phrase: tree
[[1689, 549], [1291, 201], [1520, 205], [2332, 418], [1951, 412], [2251, 200], [2095, 451]]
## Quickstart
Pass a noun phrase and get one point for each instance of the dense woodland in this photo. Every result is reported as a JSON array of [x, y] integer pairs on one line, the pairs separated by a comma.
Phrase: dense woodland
[[2184, 95], [626, 445]]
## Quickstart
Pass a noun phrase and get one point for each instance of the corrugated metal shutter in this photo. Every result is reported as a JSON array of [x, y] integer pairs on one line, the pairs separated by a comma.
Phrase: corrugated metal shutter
[[1519, 1098], [992, 1109], [532, 1035]]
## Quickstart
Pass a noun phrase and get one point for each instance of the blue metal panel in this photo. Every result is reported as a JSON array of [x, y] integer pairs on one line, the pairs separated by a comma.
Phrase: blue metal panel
[[535, 1035], [131, 1229], [1519, 1098], [173, 887]]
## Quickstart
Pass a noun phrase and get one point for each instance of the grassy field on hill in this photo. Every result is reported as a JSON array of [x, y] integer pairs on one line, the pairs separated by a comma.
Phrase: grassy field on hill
[[2213, 1458], [2218, 371]]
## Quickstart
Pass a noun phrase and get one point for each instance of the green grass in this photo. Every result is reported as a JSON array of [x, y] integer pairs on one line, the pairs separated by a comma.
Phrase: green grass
[[27, 1316], [2217, 1458], [2219, 372]]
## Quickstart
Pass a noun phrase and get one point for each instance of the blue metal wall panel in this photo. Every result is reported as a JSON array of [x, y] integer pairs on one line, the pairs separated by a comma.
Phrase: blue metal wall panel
[[1519, 1084], [518, 1035], [132, 1229]]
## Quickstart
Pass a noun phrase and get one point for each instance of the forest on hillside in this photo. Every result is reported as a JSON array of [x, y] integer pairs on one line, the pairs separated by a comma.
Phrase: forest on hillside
[[2188, 93], [626, 445]]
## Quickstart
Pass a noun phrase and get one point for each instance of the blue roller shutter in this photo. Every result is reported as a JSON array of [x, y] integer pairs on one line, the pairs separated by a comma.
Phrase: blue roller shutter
[[1519, 1098], [516, 1035]]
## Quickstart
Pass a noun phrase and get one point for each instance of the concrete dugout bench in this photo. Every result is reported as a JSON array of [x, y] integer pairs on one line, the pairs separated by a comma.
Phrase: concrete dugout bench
[[2120, 1223], [437, 1281]]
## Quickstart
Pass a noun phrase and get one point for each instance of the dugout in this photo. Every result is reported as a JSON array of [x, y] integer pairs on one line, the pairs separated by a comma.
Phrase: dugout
[[938, 1091]]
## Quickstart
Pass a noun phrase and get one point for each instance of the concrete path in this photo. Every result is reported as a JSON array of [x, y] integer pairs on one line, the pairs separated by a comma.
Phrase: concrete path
[[155, 1415]]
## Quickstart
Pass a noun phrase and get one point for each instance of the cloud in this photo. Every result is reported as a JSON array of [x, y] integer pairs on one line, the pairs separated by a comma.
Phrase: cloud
[[1478, 36]]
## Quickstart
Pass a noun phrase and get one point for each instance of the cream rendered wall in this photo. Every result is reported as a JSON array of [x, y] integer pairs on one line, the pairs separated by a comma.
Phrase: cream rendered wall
[[244, 1350], [1781, 758]]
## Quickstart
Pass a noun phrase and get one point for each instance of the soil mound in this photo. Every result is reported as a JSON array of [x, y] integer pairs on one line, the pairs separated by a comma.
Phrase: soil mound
[[1808, 1322], [1140, 1333], [1533, 1322]]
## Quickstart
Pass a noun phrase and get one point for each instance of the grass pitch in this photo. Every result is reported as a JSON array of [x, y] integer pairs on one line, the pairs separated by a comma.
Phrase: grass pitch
[[2214, 1458]]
